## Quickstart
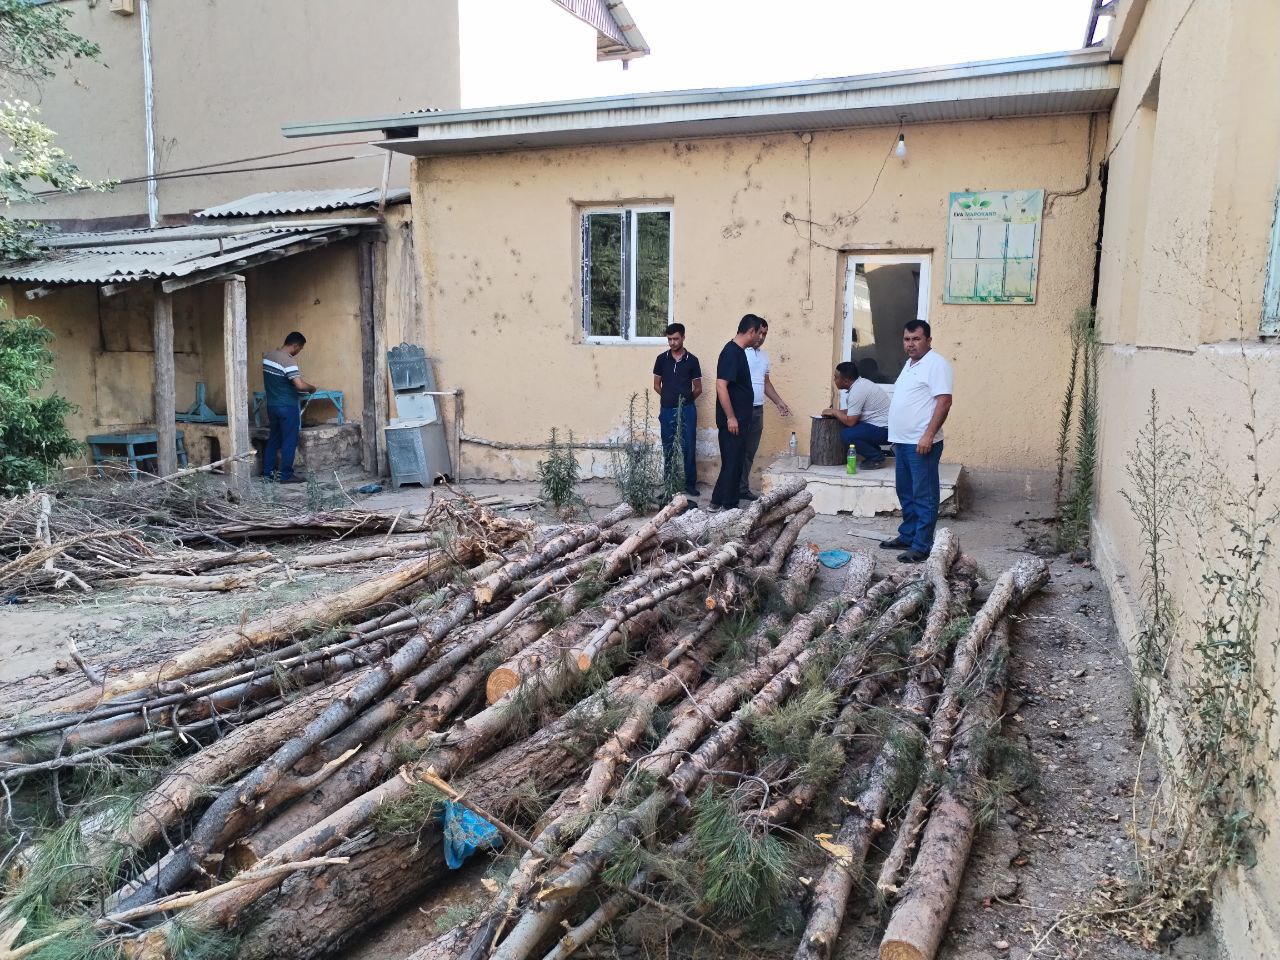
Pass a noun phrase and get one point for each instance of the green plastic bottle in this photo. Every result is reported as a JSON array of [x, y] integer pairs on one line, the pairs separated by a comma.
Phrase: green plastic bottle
[[851, 464]]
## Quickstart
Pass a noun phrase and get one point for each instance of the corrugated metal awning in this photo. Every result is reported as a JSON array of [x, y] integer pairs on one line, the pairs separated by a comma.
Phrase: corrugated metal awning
[[176, 256], [617, 36], [1062, 83], [302, 201]]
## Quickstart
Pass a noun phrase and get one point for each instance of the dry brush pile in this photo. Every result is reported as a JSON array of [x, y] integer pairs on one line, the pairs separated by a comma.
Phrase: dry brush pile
[[639, 724]]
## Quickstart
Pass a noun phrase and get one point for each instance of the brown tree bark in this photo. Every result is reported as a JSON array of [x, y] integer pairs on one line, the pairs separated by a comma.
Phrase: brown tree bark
[[1010, 592], [321, 611], [919, 921], [826, 448]]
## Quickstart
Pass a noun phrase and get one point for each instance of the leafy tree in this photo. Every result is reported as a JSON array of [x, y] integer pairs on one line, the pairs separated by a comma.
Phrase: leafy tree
[[33, 434], [34, 38]]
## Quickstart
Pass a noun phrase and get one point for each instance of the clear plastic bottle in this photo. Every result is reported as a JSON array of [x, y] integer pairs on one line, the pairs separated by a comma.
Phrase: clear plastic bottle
[[794, 447]]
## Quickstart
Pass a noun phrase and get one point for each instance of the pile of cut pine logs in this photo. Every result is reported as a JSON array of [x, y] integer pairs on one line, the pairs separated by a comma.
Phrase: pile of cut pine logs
[[323, 754]]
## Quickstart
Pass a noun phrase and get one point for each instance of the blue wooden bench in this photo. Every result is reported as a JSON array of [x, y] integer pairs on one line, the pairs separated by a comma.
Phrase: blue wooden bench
[[128, 448]]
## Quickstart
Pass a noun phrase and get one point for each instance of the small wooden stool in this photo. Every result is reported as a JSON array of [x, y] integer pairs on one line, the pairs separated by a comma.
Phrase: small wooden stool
[[826, 448]]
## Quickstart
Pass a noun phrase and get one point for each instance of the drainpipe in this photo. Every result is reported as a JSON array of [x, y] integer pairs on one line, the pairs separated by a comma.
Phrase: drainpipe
[[149, 109]]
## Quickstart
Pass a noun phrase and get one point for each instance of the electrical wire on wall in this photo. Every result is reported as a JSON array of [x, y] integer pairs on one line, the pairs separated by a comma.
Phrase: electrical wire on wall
[[210, 169], [1054, 195], [840, 220]]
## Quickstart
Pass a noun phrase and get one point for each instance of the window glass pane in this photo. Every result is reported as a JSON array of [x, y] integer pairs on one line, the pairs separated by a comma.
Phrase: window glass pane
[[604, 249], [653, 272]]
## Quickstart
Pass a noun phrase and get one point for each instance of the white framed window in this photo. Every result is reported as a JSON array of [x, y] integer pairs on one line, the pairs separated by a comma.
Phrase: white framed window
[[627, 273]]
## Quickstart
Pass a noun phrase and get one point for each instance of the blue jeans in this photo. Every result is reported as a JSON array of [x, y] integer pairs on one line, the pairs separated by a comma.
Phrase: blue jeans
[[688, 439], [866, 439], [282, 441], [917, 482]]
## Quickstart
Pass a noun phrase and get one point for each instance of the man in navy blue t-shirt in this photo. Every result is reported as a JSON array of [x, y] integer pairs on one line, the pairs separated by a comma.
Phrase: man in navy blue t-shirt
[[734, 399], [677, 380]]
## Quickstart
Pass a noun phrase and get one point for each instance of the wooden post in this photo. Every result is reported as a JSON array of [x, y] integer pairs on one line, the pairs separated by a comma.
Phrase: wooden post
[[372, 259], [164, 390], [235, 358]]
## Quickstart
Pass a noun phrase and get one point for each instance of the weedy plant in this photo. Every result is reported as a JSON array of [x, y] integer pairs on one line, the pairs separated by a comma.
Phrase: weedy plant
[[1075, 503], [1201, 672], [636, 461], [558, 475]]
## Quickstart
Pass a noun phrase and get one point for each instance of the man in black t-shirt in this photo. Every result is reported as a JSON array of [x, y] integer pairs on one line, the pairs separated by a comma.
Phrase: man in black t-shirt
[[677, 379], [734, 399]]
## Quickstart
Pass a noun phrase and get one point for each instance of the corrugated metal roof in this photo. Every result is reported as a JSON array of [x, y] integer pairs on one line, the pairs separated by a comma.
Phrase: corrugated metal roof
[[1076, 82], [617, 36], [167, 253], [301, 201]]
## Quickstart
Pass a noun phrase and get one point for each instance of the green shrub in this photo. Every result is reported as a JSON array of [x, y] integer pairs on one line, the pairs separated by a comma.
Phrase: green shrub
[[33, 433]]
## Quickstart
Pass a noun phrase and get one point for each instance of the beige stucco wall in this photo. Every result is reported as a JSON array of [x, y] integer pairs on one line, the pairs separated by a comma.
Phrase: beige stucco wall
[[1193, 180], [499, 239], [227, 76]]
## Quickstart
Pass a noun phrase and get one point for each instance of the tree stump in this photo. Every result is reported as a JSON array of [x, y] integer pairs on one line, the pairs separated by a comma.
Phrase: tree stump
[[826, 449]]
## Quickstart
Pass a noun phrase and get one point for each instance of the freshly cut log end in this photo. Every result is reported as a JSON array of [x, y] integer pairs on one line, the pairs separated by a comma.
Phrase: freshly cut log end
[[897, 950]]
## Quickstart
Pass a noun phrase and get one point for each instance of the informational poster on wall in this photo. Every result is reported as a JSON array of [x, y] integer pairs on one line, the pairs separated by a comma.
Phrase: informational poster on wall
[[993, 246]]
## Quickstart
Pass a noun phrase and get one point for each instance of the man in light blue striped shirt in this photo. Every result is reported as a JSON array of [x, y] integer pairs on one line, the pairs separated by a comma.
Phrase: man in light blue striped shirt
[[284, 388]]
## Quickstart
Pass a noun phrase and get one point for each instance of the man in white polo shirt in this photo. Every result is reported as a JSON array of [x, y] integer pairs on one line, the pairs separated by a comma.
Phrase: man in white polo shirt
[[919, 406], [761, 387]]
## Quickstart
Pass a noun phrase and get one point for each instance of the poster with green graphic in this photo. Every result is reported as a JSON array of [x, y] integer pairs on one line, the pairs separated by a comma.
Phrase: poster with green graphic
[[993, 246]]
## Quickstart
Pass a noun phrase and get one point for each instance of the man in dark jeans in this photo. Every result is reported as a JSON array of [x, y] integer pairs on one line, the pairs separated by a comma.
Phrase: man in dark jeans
[[734, 398], [919, 406], [284, 387], [865, 415], [677, 379]]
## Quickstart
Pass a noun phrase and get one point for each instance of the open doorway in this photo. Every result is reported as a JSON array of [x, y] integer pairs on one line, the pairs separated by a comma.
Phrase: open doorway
[[881, 293]]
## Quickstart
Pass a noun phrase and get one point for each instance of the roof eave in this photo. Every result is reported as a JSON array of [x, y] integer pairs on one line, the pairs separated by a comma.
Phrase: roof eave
[[724, 99], [1046, 93]]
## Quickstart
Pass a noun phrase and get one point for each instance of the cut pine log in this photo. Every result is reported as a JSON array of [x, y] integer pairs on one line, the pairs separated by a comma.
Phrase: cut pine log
[[865, 820], [919, 920], [265, 632], [1007, 596]]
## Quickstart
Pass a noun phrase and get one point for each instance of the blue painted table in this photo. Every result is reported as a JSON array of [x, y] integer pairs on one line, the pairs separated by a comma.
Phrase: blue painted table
[[333, 396], [124, 448]]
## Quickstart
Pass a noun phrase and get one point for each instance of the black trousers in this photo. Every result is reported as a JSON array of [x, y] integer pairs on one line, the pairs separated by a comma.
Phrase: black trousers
[[733, 455]]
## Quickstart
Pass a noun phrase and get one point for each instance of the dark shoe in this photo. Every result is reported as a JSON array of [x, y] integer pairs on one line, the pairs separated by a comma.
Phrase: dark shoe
[[748, 496], [912, 556], [897, 543], [873, 464], [695, 492], [714, 508], [293, 480]]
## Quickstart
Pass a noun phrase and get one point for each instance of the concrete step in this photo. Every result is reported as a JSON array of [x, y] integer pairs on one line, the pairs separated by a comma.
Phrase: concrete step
[[865, 494]]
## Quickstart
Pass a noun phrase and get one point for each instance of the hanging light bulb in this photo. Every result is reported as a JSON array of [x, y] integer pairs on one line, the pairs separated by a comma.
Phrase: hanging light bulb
[[901, 149]]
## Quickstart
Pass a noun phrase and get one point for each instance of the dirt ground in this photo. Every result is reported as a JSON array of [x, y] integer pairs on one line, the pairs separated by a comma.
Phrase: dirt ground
[[1069, 703]]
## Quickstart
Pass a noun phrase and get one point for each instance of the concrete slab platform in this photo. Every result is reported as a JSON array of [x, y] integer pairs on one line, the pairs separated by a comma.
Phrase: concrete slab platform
[[865, 494]]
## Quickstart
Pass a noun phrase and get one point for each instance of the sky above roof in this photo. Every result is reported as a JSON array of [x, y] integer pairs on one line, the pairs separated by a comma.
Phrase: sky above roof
[[723, 43]]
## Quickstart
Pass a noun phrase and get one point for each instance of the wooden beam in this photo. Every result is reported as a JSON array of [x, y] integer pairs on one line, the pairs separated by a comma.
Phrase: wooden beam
[[235, 358], [231, 265], [370, 357], [35, 293], [163, 388], [380, 353]]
